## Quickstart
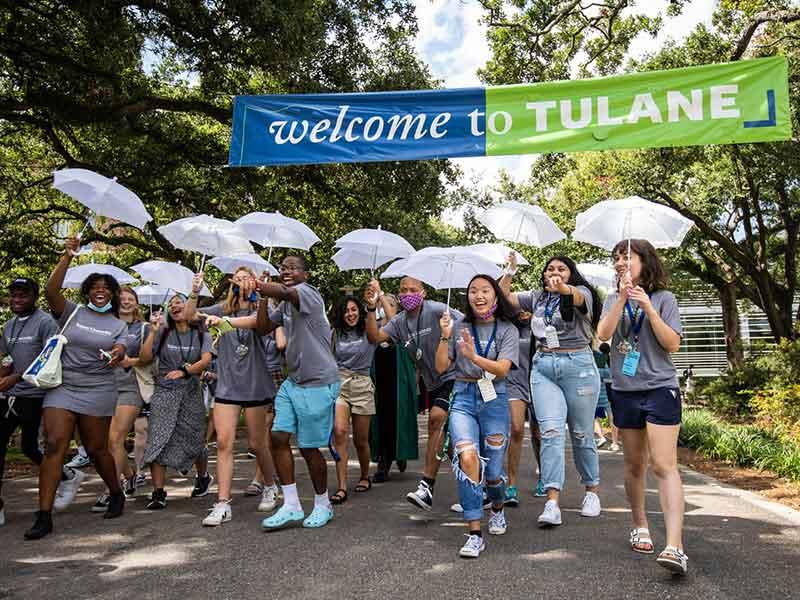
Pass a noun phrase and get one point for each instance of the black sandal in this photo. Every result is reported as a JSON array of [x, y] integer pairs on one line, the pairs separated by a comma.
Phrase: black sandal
[[364, 488], [340, 497]]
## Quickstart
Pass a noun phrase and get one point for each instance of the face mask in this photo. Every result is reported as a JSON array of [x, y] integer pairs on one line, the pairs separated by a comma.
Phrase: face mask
[[411, 301], [488, 314], [99, 309]]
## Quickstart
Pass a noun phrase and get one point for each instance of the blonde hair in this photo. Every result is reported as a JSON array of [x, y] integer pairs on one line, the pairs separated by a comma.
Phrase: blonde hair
[[137, 312], [231, 304]]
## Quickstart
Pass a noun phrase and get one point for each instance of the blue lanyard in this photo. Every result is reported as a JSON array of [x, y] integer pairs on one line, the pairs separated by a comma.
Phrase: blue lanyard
[[549, 310], [636, 324], [478, 341]]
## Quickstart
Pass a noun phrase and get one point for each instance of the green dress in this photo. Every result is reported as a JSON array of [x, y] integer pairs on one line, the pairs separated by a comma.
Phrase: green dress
[[395, 378]]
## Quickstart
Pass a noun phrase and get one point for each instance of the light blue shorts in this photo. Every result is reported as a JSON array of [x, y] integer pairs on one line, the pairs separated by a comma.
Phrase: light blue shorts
[[306, 412]]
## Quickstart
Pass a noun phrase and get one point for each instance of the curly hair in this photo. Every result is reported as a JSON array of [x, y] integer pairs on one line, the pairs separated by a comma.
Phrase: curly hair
[[654, 275], [340, 325], [112, 284]]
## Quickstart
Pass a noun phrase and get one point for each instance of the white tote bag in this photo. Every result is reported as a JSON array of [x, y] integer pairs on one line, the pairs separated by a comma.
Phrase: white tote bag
[[45, 371]]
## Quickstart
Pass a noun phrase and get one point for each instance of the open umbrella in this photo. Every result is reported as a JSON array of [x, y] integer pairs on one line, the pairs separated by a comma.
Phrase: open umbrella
[[102, 196], [75, 275], [598, 275], [229, 264], [273, 230], [169, 276], [150, 294], [370, 248], [521, 223], [610, 221], [207, 235], [498, 253], [444, 268]]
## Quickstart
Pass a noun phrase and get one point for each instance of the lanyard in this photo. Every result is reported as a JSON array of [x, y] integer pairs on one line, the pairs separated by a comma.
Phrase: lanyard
[[636, 323], [549, 310], [12, 341], [185, 359], [480, 350], [410, 335]]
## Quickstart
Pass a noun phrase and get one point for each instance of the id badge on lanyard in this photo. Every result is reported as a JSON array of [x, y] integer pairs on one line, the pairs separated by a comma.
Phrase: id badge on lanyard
[[550, 332], [485, 383], [630, 364]]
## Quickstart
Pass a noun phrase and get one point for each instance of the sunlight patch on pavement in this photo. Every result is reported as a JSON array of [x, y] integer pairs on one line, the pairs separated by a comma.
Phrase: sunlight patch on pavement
[[165, 555], [548, 556]]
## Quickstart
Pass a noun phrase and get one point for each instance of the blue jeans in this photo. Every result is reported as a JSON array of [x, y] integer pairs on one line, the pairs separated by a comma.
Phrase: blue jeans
[[565, 388], [482, 427]]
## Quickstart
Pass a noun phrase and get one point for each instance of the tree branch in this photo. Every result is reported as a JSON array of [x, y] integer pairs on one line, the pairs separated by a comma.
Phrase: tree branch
[[781, 16]]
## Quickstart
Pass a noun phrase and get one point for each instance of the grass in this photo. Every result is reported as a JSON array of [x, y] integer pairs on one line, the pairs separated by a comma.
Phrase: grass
[[741, 445]]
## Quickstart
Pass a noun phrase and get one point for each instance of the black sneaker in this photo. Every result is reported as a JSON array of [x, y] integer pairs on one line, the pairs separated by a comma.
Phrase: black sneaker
[[129, 486], [402, 465], [201, 485], [41, 527], [423, 497], [102, 504], [158, 500], [116, 502]]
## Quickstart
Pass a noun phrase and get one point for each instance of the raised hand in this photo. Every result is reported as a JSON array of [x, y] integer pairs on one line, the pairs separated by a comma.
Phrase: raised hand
[[446, 324], [72, 246], [466, 345], [197, 283]]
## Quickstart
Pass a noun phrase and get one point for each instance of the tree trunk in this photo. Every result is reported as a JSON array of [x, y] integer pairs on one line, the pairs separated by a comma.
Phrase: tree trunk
[[730, 323]]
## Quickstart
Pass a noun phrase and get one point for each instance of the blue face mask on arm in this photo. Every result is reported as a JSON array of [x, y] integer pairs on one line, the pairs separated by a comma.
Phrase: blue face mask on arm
[[99, 309]]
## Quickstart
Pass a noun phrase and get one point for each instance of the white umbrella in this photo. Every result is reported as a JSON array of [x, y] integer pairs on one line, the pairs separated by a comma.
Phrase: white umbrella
[[75, 275], [498, 253], [169, 276], [598, 275], [102, 196], [521, 223], [273, 230], [150, 294], [445, 268], [608, 222], [229, 264], [207, 235], [370, 248]]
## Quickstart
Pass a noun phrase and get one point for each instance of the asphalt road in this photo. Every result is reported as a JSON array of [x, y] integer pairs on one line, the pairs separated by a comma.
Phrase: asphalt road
[[379, 546]]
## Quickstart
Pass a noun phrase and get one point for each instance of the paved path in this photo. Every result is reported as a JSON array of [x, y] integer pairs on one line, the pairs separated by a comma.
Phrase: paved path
[[379, 546]]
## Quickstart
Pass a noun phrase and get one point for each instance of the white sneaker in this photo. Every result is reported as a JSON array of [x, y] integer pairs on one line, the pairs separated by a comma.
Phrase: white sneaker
[[590, 507], [497, 522], [473, 547], [79, 461], [220, 513], [600, 441], [551, 515], [67, 490], [456, 508], [614, 447], [269, 499]]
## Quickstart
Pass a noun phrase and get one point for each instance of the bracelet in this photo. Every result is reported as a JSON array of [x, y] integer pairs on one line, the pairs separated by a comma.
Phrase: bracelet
[[373, 309], [185, 372], [444, 339]]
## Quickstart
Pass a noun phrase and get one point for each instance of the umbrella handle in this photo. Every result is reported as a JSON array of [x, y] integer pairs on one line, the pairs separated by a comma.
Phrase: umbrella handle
[[269, 255], [448, 300], [202, 263]]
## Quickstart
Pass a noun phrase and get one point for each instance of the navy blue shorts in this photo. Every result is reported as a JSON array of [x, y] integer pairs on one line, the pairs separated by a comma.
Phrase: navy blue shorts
[[661, 406]]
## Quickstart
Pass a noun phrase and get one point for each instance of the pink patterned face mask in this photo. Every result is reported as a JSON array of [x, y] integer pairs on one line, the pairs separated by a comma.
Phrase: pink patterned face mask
[[488, 314], [411, 301]]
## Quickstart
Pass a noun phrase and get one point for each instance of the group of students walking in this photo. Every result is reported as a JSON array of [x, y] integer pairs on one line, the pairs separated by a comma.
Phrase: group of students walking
[[271, 352]]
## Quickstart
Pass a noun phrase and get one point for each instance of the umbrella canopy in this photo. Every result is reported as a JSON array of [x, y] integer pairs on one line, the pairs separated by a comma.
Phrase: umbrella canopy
[[229, 264], [169, 276], [521, 223], [370, 248], [498, 253], [351, 257], [598, 275], [102, 196], [611, 221], [273, 230], [444, 268], [150, 294], [207, 235], [75, 275]]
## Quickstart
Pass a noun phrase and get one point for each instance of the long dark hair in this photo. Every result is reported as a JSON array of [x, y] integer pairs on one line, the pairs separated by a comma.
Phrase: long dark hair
[[340, 325], [654, 274], [575, 279], [112, 284], [193, 326], [504, 312]]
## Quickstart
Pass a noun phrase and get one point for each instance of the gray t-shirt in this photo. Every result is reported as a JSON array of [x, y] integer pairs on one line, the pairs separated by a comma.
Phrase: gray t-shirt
[[309, 358], [274, 356], [179, 349], [573, 334], [504, 346], [136, 332], [243, 378], [23, 339], [518, 380], [655, 368], [353, 351], [423, 332], [88, 332]]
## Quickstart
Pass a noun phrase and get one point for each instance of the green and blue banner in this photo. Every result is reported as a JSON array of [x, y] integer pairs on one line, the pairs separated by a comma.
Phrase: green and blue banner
[[739, 102]]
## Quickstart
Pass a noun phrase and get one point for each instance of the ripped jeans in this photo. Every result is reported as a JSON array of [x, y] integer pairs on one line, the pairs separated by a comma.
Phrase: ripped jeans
[[482, 427], [565, 387]]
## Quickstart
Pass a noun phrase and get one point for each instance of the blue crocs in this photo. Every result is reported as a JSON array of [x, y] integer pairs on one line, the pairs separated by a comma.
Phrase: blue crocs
[[319, 517], [283, 518]]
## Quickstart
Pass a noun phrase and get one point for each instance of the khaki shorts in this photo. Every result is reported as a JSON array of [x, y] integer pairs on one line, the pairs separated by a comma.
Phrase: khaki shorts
[[357, 392]]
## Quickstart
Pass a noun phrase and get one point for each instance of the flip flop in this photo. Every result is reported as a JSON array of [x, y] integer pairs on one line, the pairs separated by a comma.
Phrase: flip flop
[[319, 517], [364, 488]]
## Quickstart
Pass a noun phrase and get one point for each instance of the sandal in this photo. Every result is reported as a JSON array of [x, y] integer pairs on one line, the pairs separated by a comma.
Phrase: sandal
[[364, 488], [340, 497], [673, 560], [641, 541]]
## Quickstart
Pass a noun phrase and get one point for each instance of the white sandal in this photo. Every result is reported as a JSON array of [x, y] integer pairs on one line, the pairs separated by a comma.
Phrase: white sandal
[[673, 560], [640, 536]]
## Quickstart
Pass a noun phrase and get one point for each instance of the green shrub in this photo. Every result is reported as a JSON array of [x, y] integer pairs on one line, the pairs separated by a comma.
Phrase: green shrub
[[731, 393]]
